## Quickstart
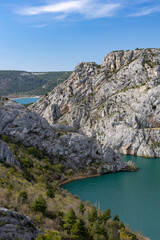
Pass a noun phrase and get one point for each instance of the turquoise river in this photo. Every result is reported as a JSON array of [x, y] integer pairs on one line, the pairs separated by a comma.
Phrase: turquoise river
[[135, 196]]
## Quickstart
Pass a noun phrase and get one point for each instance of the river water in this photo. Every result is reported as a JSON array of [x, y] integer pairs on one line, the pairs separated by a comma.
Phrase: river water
[[135, 196]]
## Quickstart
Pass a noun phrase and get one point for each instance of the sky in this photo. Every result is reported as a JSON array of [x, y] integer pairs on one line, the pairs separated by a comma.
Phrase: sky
[[55, 35]]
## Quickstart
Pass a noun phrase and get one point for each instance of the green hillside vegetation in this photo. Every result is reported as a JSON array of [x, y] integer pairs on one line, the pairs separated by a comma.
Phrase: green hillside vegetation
[[33, 189], [20, 83]]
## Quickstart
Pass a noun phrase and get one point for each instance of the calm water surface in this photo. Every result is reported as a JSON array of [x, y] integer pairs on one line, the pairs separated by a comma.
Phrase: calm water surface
[[25, 100], [134, 196]]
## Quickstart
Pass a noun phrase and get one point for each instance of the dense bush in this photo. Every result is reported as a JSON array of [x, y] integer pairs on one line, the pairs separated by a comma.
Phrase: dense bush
[[23, 195], [39, 205], [51, 190], [50, 235]]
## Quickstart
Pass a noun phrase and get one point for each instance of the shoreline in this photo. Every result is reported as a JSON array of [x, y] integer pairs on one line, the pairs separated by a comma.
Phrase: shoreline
[[12, 98], [85, 176], [80, 177]]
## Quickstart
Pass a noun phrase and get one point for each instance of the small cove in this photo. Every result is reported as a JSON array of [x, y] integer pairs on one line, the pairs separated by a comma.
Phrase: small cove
[[135, 196], [26, 100]]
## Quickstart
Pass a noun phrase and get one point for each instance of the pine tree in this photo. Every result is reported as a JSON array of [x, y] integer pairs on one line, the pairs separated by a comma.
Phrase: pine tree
[[106, 215], [116, 218], [79, 230], [98, 231], [69, 220], [81, 208], [93, 215]]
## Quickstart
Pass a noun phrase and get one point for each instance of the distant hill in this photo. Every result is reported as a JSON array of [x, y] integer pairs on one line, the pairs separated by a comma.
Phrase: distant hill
[[21, 83]]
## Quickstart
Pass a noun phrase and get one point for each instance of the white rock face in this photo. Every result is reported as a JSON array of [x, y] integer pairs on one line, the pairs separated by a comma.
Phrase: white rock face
[[118, 101], [63, 144]]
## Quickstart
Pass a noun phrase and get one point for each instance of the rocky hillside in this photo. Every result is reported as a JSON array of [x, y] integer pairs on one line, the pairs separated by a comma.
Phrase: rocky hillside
[[35, 159], [118, 102], [20, 83], [65, 145], [32, 189]]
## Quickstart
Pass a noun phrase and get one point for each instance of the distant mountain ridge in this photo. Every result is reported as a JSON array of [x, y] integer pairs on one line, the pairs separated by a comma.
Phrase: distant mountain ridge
[[22, 83]]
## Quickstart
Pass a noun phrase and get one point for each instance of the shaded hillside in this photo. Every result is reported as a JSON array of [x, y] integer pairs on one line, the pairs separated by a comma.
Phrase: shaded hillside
[[19, 83]]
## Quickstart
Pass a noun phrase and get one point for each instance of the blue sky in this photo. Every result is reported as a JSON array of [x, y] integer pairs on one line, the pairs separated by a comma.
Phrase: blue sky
[[51, 35]]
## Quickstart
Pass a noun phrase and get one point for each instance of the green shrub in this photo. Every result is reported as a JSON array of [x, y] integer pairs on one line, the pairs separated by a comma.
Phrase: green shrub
[[69, 172], [27, 162], [35, 152], [59, 168], [38, 219], [51, 190], [23, 195], [50, 235], [39, 205]]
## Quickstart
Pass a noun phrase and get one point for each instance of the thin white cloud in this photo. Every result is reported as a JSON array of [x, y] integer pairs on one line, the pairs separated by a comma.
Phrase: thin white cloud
[[87, 8], [72, 10], [40, 25], [146, 11], [69, 6]]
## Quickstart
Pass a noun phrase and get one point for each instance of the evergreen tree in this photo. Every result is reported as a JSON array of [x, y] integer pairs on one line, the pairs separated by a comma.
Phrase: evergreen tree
[[81, 208], [106, 215], [116, 218], [93, 215], [79, 230], [69, 220], [98, 231]]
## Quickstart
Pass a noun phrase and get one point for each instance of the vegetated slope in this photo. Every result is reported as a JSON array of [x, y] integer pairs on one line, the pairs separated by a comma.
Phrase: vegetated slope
[[34, 159], [19, 83], [118, 101], [31, 187]]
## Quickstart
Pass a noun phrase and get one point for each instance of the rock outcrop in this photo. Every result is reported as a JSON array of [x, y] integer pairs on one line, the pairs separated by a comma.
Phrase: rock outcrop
[[63, 144], [6, 155], [118, 101], [14, 225]]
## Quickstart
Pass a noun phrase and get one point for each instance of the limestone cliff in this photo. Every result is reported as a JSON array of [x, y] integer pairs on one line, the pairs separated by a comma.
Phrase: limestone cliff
[[118, 102], [63, 144]]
